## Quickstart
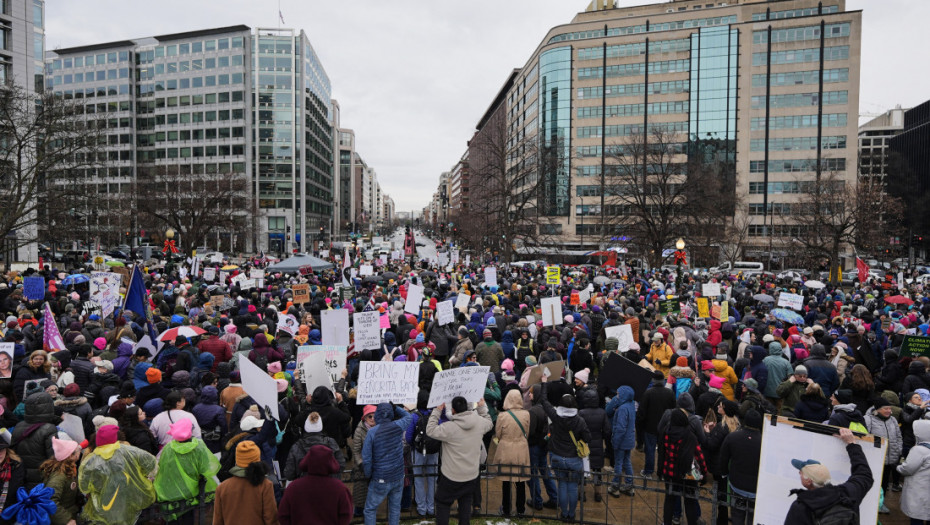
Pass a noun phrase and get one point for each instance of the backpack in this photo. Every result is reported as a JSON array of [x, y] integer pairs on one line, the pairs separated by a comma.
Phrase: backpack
[[838, 514], [682, 385], [421, 442], [261, 360], [855, 426], [762, 406], [473, 337]]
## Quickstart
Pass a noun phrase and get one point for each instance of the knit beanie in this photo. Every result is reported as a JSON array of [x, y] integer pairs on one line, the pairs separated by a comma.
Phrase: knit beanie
[[63, 448], [682, 362], [247, 452], [107, 435], [612, 344], [153, 375]]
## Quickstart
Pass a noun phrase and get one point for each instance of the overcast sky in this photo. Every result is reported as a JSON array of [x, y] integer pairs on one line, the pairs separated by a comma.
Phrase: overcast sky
[[413, 77]]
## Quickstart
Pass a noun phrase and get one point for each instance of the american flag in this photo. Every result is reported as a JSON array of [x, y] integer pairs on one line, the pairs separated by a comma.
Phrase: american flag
[[51, 338], [262, 259]]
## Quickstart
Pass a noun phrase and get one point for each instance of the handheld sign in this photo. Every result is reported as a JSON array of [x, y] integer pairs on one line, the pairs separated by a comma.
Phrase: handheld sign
[[623, 333], [314, 372], [258, 384], [711, 289], [915, 346], [467, 381], [553, 274], [490, 276], [791, 300], [366, 269], [414, 299], [551, 311], [287, 323], [367, 330], [619, 371], [334, 357], [444, 313], [209, 274], [388, 381], [703, 308], [461, 302], [550, 369], [335, 327], [34, 288], [301, 293]]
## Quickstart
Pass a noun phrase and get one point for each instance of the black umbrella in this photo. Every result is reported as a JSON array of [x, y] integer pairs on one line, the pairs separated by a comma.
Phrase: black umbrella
[[372, 278], [389, 275], [428, 273]]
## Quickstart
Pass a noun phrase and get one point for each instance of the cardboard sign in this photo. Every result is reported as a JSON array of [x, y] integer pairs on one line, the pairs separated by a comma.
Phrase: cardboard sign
[[123, 273], [551, 311], [209, 274], [553, 275], [367, 330], [388, 381], [461, 302], [490, 276], [703, 307], [791, 300], [258, 384], [915, 346], [335, 327], [414, 299], [445, 313], [34, 288], [555, 371], [573, 300], [216, 300], [467, 381], [710, 290], [623, 333], [715, 311], [301, 293], [619, 371], [334, 358], [287, 323]]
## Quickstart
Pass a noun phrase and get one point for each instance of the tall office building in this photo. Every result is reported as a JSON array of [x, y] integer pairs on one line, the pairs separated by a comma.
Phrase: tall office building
[[245, 102], [908, 178], [771, 86]]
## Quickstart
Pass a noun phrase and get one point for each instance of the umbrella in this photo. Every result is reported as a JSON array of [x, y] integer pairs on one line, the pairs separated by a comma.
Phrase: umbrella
[[793, 276], [389, 275], [115, 263], [601, 280], [813, 284], [763, 298], [428, 273], [787, 316], [229, 267], [372, 279], [75, 279], [183, 331], [899, 299]]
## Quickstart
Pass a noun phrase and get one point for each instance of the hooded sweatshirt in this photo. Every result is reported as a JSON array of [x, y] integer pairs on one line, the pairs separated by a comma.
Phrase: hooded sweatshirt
[[383, 451], [463, 432], [778, 369], [622, 412], [331, 503]]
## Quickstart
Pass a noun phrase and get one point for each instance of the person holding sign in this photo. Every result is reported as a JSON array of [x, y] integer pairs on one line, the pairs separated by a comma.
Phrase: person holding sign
[[383, 460]]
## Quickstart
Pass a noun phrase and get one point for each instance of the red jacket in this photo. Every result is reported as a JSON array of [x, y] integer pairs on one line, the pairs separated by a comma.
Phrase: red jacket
[[219, 348], [330, 502]]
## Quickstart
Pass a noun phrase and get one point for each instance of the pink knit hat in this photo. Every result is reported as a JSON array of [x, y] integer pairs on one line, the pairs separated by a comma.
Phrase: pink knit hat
[[181, 430], [107, 435], [507, 365], [274, 367], [716, 382], [281, 383], [230, 328], [100, 343], [64, 448]]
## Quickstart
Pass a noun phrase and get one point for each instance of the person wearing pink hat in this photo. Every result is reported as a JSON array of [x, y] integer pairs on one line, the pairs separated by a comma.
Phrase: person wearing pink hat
[[181, 465], [115, 479], [61, 474], [360, 489]]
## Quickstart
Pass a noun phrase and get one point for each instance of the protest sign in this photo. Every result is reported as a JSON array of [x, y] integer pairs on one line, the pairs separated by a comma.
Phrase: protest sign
[[555, 371], [445, 313], [223, 277], [703, 307], [791, 300], [34, 288], [553, 274], [385, 321], [260, 386], [584, 296], [551, 311], [715, 311], [366, 269], [237, 279], [73, 426], [619, 371], [915, 346], [287, 323], [335, 327], [383, 259], [182, 273], [467, 260], [247, 284], [256, 273], [455, 257], [313, 371], [669, 306], [209, 274], [724, 311], [443, 258], [461, 303], [8, 349], [104, 290], [301, 293], [710, 290], [334, 359], [217, 300], [574, 300], [785, 441], [324, 254], [623, 333], [367, 330], [490, 276], [384, 381], [146, 342], [466, 381], [414, 299]]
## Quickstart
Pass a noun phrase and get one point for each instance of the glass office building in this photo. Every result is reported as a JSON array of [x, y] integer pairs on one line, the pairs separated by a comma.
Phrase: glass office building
[[250, 103]]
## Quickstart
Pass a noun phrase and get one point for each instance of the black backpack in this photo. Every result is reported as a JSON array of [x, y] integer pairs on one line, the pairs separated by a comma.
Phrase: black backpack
[[838, 514], [421, 442]]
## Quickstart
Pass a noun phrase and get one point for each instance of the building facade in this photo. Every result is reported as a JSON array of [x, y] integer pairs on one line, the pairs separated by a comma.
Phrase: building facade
[[768, 89], [908, 175]]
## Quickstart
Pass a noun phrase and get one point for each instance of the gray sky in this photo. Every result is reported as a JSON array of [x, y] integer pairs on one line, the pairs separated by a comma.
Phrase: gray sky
[[413, 77]]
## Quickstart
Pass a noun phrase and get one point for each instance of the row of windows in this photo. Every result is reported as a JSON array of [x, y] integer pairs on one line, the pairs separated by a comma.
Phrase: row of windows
[[192, 152], [149, 106], [799, 143], [778, 230], [629, 110], [113, 57], [794, 13], [626, 70], [628, 90], [108, 107], [188, 83], [197, 64], [796, 56], [630, 30], [793, 100], [90, 76], [795, 34], [630, 129], [639, 48], [199, 47], [624, 189], [789, 187], [793, 78], [774, 208], [797, 165], [830, 120], [99, 91], [151, 139]]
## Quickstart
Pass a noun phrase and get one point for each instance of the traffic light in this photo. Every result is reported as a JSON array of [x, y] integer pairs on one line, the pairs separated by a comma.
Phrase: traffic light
[[288, 229]]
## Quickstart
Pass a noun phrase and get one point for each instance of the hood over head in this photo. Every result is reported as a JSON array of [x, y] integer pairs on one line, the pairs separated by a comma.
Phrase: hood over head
[[383, 414], [625, 393], [922, 430], [686, 402], [319, 461]]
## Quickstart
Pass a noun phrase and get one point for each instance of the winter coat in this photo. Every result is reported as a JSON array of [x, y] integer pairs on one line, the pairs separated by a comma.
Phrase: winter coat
[[32, 437], [218, 348], [512, 447], [778, 369], [458, 351], [845, 415], [83, 372], [790, 393], [891, 376], [565, 422], [680, 379], [653, 403], [507, 344], [459, 461], [916, 378], [337, 423], [812, 407], [141, 438], [739, 458], [598, 424], [121, 363], [662, 353], [27, 373], [300, 449], [757, 368], [915, 498], [77, 406], [911, 414], [888, 429], [822, 372], [211, 416], [17, 480], [359, 489], [238, 502], [383, 450], [67, 498], [622, 412], [849, 494], [490, 353], [724, 370], [331, 503], [162, 423]]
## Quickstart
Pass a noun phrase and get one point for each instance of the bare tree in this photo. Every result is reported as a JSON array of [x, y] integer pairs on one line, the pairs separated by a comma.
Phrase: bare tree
[[735, 237]]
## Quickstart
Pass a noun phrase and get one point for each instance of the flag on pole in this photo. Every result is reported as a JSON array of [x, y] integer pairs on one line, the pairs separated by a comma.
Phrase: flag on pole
[[137, 300], [863, 269], [281, 16], [346, 263], [51, 337]]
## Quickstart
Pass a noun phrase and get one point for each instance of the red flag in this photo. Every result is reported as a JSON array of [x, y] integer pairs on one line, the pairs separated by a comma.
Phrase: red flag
[[863, 270]]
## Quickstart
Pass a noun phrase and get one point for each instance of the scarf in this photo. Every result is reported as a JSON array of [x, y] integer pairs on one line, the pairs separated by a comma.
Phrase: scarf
[[6, 471]]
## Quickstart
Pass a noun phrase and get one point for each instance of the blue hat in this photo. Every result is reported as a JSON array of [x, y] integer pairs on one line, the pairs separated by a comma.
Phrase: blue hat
[[799, 464], [94, 317]]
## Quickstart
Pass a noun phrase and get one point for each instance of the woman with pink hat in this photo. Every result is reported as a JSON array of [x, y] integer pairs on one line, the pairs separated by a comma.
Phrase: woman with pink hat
[[60, 473], [181, 464]]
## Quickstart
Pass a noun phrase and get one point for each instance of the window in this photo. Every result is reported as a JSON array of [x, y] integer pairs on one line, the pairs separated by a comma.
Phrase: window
[[797, 165], [832, 120], [799, 143], [795, 34], [37, 13], [801, 99]]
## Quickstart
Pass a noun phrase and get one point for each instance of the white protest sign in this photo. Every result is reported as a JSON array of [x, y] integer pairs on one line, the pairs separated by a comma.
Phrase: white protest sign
[[216, 258], [551, 311], [443, 258], [287, 323], [258, 384], [414, 299], [73, 426], [247, 284], [383, 258], [256, 273], [584, 296], [209, 274], [335, 327], [334, 357], [314, 372], [623, 333], [791, 300], [445, 313], [467, 260], [366, 269], [238, 279], [466, 381], [182, 272], [223, 276], [145, 342], [455, 257], [710, 289], [324, 254], [367, 330], [490, 276], [104, 290], [195, 267], [461, 302], [384, 381], [396, 255]]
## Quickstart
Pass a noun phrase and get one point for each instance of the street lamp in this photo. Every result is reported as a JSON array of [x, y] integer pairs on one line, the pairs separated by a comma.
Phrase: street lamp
[[169, 235], [680, 258]]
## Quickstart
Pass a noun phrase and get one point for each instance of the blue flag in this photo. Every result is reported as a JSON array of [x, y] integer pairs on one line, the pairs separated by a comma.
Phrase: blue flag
[[137, 300]]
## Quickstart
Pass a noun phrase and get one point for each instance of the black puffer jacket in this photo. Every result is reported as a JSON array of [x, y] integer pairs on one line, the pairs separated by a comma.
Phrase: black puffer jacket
[[560, 442], [598, 424], [32, 438], [917, 377], [337, 422]]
